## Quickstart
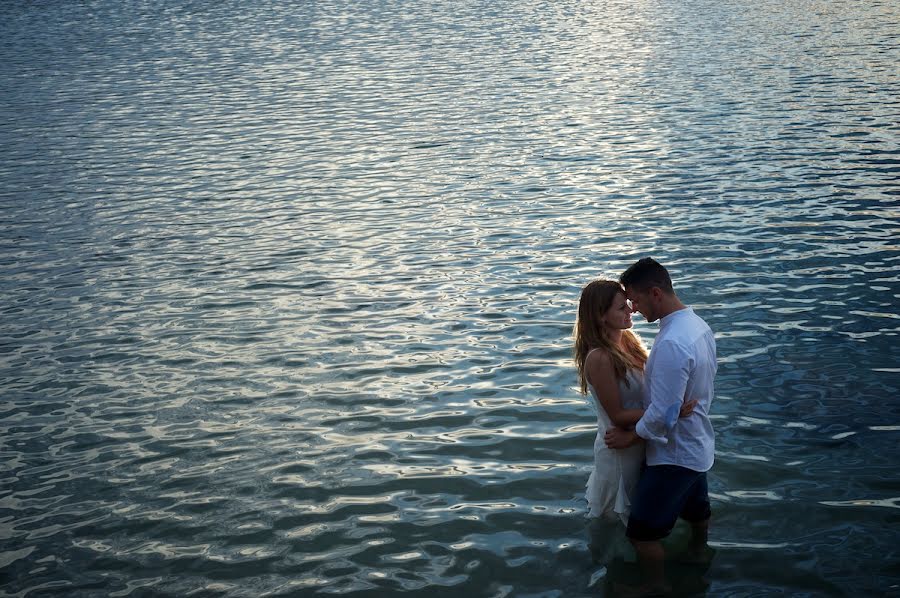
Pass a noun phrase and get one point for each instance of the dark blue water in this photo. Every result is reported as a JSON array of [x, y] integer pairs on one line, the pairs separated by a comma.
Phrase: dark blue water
[[287, 288]]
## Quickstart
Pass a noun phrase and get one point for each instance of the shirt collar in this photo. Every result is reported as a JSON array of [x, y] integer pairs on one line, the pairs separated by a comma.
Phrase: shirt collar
[[663, 322]]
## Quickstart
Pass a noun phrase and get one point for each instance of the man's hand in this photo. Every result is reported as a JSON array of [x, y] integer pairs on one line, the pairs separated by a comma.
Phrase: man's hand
[[687, 408], [617, 438]]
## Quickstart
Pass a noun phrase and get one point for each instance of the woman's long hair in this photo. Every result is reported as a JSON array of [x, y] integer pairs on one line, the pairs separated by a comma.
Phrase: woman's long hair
[[590, 333]]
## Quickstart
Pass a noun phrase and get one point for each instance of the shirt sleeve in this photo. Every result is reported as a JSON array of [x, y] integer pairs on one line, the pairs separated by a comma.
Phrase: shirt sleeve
[[668, 383]]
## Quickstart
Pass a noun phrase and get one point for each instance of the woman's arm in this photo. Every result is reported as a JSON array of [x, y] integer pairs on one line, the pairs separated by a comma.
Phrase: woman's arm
[[600, 374]]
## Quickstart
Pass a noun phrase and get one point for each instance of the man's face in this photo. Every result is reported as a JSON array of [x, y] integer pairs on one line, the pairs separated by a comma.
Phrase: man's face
[[642, 301]]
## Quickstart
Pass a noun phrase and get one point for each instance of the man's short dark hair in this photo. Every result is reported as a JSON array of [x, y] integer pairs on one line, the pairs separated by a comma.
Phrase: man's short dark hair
[[645, 274]]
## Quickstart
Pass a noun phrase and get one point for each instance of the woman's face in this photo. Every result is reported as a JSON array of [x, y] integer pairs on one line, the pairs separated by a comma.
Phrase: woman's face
[[618, 316]]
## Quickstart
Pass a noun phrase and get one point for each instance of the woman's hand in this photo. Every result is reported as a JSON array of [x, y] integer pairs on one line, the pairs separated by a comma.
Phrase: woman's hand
[[687, 408], [616, 438]]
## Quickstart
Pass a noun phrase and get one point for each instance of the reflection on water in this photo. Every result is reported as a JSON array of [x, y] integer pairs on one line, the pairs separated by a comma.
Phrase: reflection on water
[[288, 288], [617, 573]]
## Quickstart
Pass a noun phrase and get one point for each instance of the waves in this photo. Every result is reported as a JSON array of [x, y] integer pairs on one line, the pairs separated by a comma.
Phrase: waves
[[288, 290]]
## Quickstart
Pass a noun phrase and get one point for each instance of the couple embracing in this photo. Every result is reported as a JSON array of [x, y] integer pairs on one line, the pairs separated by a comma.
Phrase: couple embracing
[[655, 441]]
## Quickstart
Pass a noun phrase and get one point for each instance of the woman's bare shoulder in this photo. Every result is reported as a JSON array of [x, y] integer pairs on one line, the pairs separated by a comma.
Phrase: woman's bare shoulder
[[598, 357]]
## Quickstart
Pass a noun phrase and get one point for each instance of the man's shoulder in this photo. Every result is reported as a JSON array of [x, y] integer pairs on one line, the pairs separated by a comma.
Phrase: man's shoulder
[[685, 334], [671, 346], [691, 324]]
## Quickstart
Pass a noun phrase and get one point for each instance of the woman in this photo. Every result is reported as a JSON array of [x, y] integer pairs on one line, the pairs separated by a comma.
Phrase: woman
[[610, 360]]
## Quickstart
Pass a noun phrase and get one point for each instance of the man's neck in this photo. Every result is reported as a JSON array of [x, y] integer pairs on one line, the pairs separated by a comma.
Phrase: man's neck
[[670, 306]]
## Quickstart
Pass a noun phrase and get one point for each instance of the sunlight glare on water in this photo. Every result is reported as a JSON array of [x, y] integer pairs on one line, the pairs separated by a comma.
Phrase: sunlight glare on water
[[288, 288]]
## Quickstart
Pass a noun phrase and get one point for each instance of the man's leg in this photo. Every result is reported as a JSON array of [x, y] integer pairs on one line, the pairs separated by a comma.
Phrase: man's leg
[[651, 557], [699, 538], [697, 512], [658, 500], [662, 494]]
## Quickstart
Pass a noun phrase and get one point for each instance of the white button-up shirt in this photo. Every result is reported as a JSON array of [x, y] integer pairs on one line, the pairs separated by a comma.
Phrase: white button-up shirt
[[681, 367]]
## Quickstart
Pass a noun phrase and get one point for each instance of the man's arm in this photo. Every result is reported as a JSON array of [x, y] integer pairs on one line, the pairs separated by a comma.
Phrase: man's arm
[[618, 438], [672, 366]]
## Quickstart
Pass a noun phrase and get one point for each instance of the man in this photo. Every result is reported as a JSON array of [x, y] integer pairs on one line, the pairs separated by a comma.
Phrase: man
[[681, 367]]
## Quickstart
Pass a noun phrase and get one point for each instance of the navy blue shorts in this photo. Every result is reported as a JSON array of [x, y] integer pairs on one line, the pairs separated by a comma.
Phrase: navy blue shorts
[[664, 493]]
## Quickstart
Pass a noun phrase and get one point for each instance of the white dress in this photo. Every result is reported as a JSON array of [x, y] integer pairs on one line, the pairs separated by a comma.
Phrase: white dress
[[616, 472]]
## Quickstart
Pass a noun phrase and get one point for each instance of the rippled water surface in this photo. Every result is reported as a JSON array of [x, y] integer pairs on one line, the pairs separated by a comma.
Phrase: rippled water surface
[[288, 287]]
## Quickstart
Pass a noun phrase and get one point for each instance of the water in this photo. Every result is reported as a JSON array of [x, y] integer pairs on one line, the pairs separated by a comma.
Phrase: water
[[288, 288]]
